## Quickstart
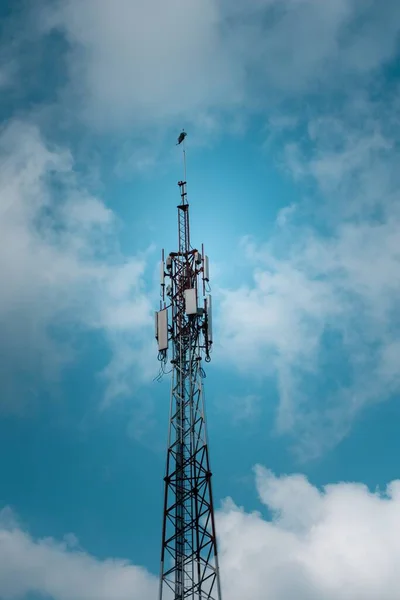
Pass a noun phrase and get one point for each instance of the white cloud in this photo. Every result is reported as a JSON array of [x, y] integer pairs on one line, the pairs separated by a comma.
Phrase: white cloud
[[285, 214], [242, 409], [331, 272], [60, 264], [135, 63], [335, 543], [63, 572]]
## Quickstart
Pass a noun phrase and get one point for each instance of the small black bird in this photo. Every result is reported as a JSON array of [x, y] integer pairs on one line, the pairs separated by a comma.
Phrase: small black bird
[[181, 137]]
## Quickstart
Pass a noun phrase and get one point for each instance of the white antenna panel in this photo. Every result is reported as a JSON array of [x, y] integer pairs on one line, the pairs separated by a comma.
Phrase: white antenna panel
[[156, 325], [162, 329], [162, 272], [209, 318], [191, 302], [206, 269]]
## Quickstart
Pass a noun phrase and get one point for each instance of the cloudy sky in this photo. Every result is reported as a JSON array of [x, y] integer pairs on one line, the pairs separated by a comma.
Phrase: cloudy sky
[[292, 113]]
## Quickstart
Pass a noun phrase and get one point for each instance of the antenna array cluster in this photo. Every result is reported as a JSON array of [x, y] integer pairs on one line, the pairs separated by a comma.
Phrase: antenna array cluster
[[197, 300]]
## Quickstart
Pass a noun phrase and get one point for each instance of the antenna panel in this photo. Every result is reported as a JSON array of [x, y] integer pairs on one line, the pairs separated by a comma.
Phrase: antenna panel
[[162, 329], [209, 318], [162, 272], [191, 302], [206, 269]]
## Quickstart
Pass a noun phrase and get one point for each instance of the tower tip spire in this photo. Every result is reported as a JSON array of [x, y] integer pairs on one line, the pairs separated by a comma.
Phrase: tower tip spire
[[181, 139]]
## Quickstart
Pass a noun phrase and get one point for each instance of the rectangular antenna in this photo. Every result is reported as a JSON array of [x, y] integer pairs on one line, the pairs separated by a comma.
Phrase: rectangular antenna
[[209, 318], [206, 269], [162, 277], [162, 329], [191, 302]]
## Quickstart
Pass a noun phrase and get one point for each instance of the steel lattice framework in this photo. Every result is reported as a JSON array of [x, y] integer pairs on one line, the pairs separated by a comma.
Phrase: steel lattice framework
[[189, 561]]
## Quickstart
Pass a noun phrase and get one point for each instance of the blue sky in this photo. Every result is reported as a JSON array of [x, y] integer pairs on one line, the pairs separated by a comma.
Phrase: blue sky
[[291, 109]]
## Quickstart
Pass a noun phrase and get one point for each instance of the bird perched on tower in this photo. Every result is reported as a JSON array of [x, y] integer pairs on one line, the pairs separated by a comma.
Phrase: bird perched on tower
[[181, 137]]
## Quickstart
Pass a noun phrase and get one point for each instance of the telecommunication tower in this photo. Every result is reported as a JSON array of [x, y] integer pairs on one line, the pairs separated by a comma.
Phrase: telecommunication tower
[[189, 560]]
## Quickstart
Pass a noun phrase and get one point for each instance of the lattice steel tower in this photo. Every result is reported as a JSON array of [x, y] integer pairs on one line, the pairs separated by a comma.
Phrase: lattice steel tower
[[189, 561]]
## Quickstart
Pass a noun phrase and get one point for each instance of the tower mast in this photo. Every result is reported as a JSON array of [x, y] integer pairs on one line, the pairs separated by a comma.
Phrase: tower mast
[[189, 560]]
